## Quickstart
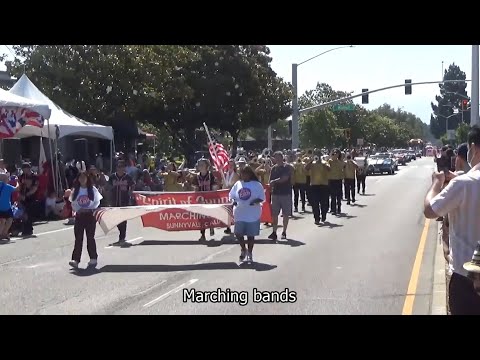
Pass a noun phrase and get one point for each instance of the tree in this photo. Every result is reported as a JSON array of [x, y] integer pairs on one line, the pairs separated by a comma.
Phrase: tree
[[451, 96], [461, 134]]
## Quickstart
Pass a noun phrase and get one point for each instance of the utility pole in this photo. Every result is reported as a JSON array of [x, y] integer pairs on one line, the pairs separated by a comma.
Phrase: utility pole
[[269, 137], [295, 113], [475, 87]]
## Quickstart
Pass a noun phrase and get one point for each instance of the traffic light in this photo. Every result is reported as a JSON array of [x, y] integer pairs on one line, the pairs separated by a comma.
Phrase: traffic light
[[365, 97], [347, 133], [408, 88], [464, 105], [290, 127]]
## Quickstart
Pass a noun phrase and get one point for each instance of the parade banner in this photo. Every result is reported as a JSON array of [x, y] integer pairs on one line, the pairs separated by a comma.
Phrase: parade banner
[[108, 218], [181, 218]]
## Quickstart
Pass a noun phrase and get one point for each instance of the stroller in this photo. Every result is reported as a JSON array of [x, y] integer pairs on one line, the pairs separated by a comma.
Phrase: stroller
[[18, 217]]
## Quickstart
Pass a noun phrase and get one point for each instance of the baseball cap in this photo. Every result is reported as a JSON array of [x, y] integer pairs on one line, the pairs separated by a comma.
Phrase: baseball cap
[[462, 151]]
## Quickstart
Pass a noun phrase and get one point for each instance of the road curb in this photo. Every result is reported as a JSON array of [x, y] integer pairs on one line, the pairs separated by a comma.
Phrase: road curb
[[439, 300]]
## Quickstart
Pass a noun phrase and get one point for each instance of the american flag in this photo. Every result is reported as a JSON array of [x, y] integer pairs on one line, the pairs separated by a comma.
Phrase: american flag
[[13, 119], [221, 157]]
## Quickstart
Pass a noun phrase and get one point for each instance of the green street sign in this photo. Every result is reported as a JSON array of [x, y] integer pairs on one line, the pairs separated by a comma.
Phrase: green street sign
[[344, 107]]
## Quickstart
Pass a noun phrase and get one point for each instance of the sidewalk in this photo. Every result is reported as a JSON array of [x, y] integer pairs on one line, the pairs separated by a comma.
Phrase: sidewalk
[[439, 300]]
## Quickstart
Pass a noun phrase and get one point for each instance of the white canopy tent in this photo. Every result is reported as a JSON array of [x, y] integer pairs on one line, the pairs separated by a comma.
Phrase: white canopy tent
[[66, 123], [60, 123], [8, 99]]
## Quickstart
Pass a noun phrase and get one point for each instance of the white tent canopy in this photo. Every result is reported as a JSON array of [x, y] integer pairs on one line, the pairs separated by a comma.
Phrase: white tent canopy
[[67, 124], [8, 99]]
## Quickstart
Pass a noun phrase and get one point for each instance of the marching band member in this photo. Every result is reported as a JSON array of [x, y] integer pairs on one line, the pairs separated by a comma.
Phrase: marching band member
[[171, 178], [231, 177], [335, 181], [319, 189], [300, 184], [350, 170], [204, 181]]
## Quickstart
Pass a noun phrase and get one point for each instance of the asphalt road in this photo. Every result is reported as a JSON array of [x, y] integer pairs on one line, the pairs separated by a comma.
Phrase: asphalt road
[[359, 263]]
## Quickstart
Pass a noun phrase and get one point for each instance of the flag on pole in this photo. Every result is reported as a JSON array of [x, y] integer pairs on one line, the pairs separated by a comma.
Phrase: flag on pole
[[219, 154], [43, 158]]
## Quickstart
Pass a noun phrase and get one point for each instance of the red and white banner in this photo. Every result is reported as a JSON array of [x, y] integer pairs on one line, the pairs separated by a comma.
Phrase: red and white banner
[[13, 119], [182, 218], [108, 218]]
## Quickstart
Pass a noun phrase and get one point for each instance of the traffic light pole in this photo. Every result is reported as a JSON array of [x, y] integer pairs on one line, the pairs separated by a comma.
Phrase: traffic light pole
[[333, 102]]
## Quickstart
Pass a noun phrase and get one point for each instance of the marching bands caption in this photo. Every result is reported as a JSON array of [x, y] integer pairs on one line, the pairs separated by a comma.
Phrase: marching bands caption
[[241, 298]]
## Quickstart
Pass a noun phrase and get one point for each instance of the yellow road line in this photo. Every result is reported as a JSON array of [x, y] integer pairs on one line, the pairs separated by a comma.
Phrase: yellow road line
[[412, 285]]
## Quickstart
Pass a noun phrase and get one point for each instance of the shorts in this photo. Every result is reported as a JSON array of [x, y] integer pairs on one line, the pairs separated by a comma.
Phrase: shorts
[[6, 214], [283, 203], [244, 228]]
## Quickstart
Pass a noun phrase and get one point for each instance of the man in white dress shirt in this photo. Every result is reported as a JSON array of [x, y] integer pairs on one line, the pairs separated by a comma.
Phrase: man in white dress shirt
[[460, 199]]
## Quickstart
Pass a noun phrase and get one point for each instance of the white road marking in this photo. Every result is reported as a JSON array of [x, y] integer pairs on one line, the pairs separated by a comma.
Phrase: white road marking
[[128, 241], [54, 231], [171, 292], [15, 261], [37, 265]]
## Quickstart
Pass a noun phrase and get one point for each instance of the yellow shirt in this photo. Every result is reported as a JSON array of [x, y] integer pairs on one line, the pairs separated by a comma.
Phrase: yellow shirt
[[319, 174], [263, 176], [336, 169], [300, 173], [350, 170], [170, 182]]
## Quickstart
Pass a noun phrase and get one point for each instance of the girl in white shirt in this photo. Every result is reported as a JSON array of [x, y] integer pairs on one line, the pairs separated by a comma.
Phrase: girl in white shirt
[[85, 199], [247, 195]]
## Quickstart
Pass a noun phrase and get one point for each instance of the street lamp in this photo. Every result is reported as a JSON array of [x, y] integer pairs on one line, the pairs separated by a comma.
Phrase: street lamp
[[295, 113], [446, 121]]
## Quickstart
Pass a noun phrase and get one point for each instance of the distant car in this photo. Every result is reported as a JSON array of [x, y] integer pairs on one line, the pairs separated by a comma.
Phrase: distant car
[[411, 155], [400, 156], [380, 165], [418, 154], [386, 155]]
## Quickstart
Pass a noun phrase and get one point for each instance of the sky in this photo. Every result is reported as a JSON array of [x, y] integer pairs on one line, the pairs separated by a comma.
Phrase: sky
[[374, 67], [370, 67]]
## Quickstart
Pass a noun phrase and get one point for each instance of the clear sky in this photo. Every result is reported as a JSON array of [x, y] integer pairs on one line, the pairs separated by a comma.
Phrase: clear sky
[[373, 67]]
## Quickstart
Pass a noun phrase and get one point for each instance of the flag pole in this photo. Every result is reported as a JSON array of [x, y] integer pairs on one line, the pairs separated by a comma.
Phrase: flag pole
[[215, 151]]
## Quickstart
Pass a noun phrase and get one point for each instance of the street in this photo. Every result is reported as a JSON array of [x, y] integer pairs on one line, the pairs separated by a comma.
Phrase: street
[[359, 263]]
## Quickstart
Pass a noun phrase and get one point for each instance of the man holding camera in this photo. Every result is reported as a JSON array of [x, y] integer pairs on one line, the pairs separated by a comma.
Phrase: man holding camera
[[460, 199]]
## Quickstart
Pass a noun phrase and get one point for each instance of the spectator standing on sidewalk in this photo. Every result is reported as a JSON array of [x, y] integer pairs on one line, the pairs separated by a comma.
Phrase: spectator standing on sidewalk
[[460, 199]]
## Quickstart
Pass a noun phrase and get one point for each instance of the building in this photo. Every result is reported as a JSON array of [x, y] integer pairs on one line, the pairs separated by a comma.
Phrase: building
[[6, 81]]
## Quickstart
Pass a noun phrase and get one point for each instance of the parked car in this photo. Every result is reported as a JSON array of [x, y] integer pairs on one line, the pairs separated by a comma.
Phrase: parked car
[[380, 165]]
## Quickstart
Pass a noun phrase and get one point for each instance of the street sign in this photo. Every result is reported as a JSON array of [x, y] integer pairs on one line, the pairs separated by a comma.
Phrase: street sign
[[344, 107], [360, 142]]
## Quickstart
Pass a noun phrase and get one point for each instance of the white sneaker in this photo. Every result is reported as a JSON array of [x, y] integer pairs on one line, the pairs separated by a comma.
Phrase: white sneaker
[[92, 262], [73, 264], [249, 257]]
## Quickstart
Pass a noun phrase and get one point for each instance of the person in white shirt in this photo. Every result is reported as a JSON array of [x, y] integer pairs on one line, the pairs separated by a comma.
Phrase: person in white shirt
[[85, 199], [460, 199], [247, 195]]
